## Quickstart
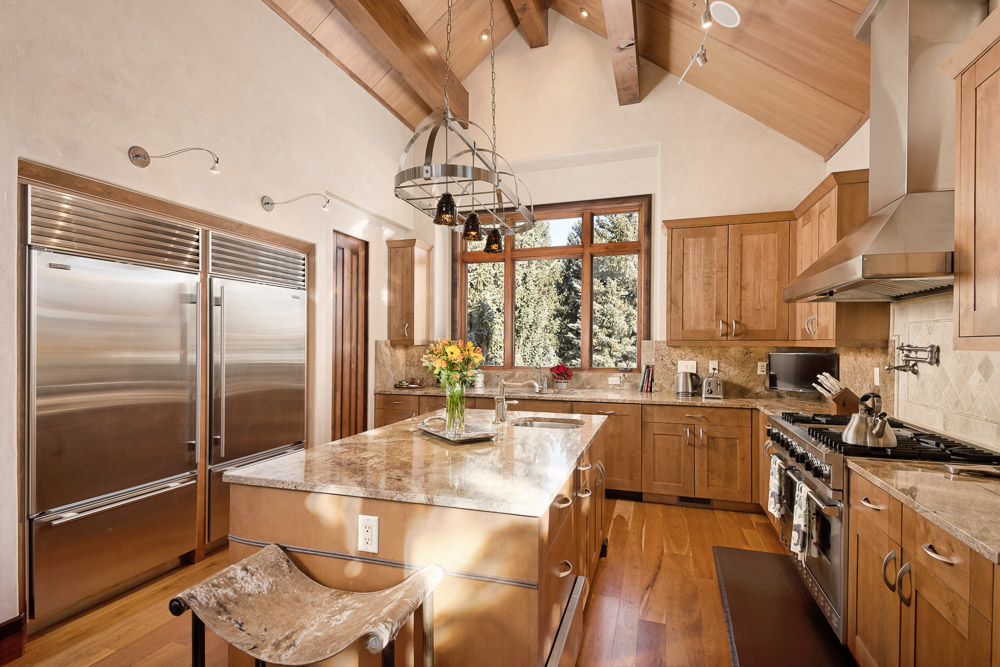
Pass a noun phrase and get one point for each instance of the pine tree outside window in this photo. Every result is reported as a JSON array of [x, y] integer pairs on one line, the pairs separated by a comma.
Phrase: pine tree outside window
[[573, 290]]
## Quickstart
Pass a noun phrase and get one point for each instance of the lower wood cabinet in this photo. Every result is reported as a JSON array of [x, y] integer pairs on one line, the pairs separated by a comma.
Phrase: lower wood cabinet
[[623, 445], [699, 452], [392, 408], [926, 599]]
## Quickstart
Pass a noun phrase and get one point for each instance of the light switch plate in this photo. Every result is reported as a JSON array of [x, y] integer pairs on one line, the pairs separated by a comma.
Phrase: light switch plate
[[368, 533], [713, 366], [761, 368], [687, 366], [878, 381], [614, 379]]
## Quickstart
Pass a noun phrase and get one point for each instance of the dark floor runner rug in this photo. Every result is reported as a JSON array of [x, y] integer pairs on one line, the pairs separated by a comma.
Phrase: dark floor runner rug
[[771, 618]]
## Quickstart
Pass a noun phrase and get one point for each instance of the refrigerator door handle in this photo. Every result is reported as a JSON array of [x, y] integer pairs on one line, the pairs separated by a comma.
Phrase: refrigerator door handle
[[196, 422], [222, 372], [67, 517]]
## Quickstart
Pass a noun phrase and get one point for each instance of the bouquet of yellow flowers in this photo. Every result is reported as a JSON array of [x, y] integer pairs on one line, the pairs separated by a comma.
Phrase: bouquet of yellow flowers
[[453, 362]]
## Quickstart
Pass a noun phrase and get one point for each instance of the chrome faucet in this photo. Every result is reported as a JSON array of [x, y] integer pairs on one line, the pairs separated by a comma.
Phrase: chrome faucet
[[542, 382], [500, 403]]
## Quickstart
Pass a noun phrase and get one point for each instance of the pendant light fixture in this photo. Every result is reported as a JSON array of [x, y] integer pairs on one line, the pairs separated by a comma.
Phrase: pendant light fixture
[[493, 244], [445, 159]]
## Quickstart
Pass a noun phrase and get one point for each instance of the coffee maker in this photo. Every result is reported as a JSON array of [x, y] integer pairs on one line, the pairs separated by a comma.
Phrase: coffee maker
[[688, 384]]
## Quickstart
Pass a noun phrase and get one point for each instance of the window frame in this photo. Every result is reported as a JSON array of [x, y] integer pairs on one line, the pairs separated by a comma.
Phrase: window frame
[[461, 257]]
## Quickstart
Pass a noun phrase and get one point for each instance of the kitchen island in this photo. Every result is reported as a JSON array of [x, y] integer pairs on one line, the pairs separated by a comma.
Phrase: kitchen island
[[516, 524]]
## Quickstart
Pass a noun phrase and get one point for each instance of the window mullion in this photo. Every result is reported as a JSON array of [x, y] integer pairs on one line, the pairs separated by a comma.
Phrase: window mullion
[[586, 307], [508, 298]]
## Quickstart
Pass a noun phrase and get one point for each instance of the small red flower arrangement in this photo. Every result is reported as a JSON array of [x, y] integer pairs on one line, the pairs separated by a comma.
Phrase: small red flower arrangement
[[561, 372]]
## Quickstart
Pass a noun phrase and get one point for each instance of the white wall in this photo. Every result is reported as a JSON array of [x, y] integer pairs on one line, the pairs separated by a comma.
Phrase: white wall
[[82, 81], [854, 153], [559, 122]]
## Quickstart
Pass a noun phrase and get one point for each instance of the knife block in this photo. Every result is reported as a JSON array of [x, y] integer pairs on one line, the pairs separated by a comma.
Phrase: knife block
[[845, 402]]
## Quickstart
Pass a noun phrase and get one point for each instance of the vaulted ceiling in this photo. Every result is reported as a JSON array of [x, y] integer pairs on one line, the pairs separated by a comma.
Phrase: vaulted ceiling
[[793, 65]]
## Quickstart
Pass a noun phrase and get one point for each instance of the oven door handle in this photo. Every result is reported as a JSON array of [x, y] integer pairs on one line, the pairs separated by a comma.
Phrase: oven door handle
[[772, 451], [821, 505]]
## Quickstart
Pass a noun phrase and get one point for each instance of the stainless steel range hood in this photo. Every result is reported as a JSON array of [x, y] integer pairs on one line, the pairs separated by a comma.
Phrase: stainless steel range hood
[[906, 247]]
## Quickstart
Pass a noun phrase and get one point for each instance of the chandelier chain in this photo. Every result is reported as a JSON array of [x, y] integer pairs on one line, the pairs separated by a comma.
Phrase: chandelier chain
[[493, 87], [447, 63]]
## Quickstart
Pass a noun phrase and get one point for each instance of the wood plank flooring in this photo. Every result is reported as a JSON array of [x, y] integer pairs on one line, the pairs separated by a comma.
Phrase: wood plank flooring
[[655, 600]]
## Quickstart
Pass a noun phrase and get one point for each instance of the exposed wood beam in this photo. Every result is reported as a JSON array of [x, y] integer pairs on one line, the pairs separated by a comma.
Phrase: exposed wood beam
[[619, 19], [390, 29], [533, 15]]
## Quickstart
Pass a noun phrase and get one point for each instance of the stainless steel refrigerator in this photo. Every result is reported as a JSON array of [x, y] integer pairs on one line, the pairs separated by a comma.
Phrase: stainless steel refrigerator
[[112, 435], [258, 348]]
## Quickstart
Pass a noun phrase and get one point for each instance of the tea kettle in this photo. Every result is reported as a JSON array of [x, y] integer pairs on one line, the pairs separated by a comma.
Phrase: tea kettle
[[870, 426], [688, 384]]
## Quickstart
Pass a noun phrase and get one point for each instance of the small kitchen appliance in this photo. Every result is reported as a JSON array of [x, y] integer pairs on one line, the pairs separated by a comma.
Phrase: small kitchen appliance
[[797, 371], [711, 387], [687, 384]]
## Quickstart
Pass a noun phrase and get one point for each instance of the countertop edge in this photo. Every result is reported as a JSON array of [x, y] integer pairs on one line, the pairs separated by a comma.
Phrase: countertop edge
[[969, 540]]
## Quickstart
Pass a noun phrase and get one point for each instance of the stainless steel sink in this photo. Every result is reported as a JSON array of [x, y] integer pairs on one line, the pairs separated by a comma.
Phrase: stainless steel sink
[[548, 422], [554, 391]]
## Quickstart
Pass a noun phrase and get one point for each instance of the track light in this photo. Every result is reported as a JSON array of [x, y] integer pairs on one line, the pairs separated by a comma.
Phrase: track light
[[706, 17], [446, 213], [268, 204], [701, 57], [140, 157]]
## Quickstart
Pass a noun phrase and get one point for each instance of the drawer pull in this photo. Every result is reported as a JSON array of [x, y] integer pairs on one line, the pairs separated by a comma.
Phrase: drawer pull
[[899, 589], [605, 412], [870, 505], [395, 402], [568, 571], [694, 416], [564, 503], [583, 467], [932, 552], [889, 558], [586, 493]]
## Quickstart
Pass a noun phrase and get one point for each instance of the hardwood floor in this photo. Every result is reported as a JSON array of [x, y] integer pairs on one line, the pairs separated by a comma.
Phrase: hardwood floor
[[655, 600]]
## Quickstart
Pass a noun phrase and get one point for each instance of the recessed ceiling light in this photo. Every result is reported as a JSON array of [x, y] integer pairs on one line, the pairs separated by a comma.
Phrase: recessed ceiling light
[[584, 13], [724, 14], [484, 35]]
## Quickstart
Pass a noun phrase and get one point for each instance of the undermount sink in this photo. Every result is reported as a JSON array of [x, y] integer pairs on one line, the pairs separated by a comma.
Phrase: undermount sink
[[548, 422], [554, 391]]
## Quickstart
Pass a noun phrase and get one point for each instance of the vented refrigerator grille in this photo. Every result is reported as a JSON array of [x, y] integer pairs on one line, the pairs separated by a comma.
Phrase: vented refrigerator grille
[[82, 226], [239, 258]]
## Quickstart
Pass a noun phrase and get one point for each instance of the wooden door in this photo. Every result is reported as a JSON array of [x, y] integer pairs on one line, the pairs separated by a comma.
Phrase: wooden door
[[401, 296], [668, 459], [873, 615], [722, 463], [826, 237], [350, 337], [758, 272], [623, 448], [977, 226], [806, 240], [699, 283]]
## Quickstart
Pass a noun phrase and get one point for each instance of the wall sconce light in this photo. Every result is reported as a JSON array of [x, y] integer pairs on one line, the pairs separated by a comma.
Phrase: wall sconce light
[[268, 204], [140, 157]]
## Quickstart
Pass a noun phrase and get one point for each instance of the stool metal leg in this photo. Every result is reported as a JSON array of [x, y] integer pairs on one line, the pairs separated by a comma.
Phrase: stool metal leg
[[389, 654], [257, 662], [427, 614], [197, 641]]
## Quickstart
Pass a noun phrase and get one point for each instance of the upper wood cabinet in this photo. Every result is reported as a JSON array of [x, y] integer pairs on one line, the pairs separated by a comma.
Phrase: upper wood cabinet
[[837, 206], [409, 291], [977, 188], [726, 277]]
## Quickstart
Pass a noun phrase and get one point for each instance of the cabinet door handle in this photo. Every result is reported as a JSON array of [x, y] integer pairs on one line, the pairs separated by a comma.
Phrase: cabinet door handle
[[722, 328], [568, 571], [810, 329], [701, 437], [932, 552], [564, 503], [688, 431], [605, 412], [586, 493], [583, 467], [604, 473], [406, 330], [899, 588], [869, 504], [733, 330], [889, 558]]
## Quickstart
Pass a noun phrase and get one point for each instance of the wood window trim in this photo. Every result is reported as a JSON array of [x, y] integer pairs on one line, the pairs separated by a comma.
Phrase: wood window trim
[[587, 209]]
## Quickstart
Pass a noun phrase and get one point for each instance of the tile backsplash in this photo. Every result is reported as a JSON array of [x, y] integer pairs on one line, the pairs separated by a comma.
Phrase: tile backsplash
[[960, 396]]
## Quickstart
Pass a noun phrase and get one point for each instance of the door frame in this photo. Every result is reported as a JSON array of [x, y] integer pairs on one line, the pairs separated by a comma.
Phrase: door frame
[[341, 240]]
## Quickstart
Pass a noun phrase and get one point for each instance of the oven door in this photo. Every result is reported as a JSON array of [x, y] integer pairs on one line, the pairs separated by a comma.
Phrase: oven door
[[824, 572]]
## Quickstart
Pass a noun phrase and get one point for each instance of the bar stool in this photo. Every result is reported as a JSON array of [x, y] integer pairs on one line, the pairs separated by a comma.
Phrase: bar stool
[[267, 608]]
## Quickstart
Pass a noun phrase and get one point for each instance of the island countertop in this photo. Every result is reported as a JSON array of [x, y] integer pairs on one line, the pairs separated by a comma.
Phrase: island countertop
[[520, 472]]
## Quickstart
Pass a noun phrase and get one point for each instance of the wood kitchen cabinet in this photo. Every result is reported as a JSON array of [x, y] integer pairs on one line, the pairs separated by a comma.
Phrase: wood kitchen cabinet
[[622, 443], [409, 293], [392, 408], [976, 69], [726, 279], [697, 452], [838, 205]]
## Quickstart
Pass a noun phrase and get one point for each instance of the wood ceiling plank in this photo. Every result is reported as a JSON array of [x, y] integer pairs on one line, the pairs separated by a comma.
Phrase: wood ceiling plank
[[777, 100], [338, 37], [393, 89], [533, 16], [469, 19], [388, 27], [619, 19], [594, 21], [856, 6], [305, 13], [811, 41]]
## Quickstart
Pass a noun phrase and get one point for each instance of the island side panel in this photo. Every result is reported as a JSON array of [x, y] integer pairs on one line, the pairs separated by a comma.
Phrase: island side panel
[[475, 622]]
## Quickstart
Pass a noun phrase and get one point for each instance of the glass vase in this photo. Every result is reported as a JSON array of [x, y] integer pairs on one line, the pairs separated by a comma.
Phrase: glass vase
[[455, 408]]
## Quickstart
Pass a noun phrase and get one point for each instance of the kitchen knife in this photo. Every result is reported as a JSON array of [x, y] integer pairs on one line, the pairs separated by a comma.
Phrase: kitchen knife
[[826, 384], [822, 390], [834, 382]]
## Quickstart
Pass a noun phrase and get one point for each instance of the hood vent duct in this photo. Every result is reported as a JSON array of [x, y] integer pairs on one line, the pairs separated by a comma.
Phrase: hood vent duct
[[906, 247]]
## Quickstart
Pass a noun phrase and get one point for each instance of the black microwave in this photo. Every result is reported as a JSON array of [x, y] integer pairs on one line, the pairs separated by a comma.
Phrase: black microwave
[[797, 371]]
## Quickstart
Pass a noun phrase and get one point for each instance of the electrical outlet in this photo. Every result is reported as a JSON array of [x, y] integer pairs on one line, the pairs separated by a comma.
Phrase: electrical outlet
[[368, 533], [878, 382], [687, 366], [761, 368], [713, 366], [614, 379]]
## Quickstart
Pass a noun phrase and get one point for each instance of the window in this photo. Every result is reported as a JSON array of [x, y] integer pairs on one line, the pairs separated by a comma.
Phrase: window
[[573, 290]]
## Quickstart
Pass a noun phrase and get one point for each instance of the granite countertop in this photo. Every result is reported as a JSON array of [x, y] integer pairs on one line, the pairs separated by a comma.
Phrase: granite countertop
[[767, 404], [518, 473], [966, 507]]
